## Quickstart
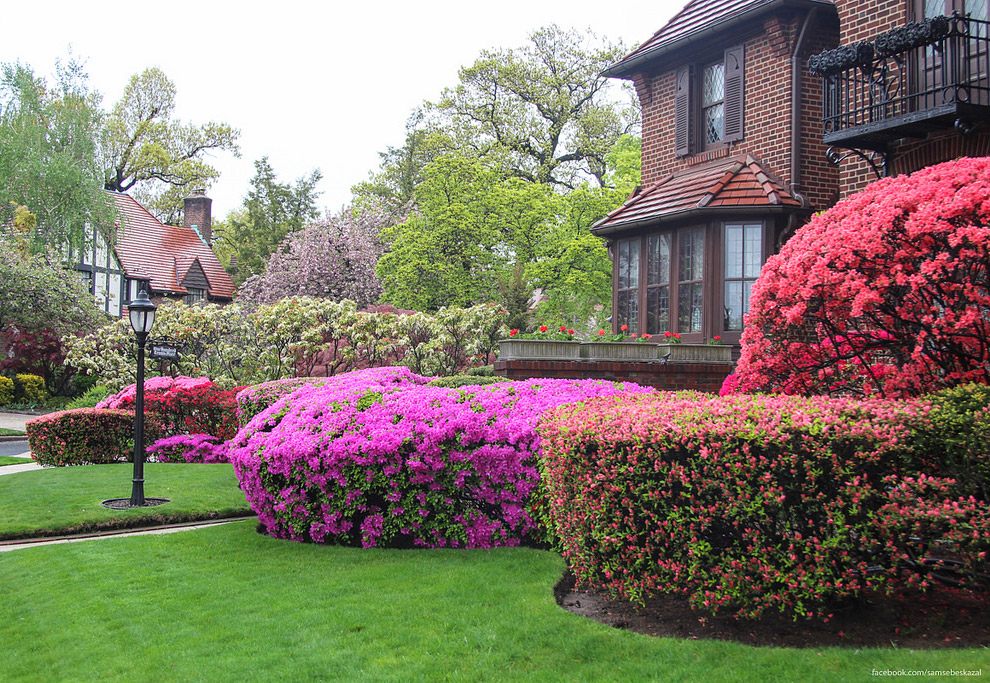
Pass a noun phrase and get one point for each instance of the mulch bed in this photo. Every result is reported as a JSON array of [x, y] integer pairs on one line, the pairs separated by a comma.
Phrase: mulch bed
[[941, 618]]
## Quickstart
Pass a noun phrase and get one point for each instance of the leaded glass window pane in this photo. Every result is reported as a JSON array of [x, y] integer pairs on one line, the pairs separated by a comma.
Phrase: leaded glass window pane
[[689, 306], [743, 261], [628, 305], [628, 275], [692, 255], [658, 309], [714, 123], [658, 260], [713, 85]]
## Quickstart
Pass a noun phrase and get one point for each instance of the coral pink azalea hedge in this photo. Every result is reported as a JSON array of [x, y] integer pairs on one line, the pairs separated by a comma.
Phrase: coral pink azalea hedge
[[749, 503], [377, 458], [887, 292], [85, 436]]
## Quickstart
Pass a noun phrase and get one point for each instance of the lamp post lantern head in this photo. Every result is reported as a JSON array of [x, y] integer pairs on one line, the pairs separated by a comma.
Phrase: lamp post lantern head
[[142, 314]]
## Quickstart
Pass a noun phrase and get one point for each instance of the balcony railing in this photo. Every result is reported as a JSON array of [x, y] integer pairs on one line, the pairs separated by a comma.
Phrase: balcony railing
[[925, 76]]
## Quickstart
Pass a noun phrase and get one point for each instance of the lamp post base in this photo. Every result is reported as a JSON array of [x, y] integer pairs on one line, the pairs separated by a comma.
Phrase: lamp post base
[[125, 503]]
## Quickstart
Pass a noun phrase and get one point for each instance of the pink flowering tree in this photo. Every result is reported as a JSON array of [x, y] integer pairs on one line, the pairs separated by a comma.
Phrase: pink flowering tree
[[334, 258], [887, 293]]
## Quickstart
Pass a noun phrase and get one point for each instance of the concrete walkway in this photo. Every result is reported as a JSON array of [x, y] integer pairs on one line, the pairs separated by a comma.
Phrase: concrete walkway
[[16, 446]]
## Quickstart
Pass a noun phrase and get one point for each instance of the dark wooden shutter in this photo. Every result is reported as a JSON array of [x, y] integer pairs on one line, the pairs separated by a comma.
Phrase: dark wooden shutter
[[682, 112], [735, 100]]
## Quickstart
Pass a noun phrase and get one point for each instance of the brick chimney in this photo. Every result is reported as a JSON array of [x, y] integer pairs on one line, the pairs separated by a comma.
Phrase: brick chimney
[[196, 214]]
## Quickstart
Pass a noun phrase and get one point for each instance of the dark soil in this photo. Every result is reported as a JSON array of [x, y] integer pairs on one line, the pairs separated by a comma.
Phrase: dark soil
[[941, 618]]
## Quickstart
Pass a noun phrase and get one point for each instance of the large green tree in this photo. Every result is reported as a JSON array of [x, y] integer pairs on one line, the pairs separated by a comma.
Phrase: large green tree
[[272, 210], [544, 111], [479, 235], [50, 176], [161, 159]]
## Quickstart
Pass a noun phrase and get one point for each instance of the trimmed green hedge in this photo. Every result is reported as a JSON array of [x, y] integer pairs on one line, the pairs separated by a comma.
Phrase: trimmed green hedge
[[457, 381], [29, 389], [6, 390], [87, 436]]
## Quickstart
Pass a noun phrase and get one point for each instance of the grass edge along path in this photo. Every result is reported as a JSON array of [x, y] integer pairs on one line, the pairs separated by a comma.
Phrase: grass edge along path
[[66, 500], [228, 604], [14, 460]]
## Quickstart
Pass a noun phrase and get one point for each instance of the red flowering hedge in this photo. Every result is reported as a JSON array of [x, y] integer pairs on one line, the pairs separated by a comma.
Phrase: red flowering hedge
[[746, 503], [86, 436], [887, 292], [184, 405]]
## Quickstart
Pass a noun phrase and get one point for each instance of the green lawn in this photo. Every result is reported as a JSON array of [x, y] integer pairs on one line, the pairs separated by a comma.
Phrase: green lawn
[[67, 499], [13, 460], [226, 604], [10, 432]]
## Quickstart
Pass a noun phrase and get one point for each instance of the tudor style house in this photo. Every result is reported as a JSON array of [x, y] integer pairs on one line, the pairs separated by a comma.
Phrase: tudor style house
[[743, 138], [169, 262]]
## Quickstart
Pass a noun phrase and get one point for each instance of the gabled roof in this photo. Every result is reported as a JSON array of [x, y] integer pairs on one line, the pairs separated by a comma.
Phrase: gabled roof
[[725, 185], [150, 250], [699, 18]]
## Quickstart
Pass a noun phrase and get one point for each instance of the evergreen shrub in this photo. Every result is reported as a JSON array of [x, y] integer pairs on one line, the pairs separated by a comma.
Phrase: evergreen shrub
[[6, 390], [29, 389]]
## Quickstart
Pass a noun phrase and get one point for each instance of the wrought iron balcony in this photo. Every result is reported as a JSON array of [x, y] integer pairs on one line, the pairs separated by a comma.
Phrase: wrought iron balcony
[[928, 75]]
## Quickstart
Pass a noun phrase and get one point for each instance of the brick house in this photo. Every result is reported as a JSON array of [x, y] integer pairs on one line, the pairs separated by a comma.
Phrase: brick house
[[168, 261], [743, 139]]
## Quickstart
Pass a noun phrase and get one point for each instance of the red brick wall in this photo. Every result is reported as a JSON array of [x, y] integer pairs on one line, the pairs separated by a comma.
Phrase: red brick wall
[[768, 45], [864, 20], [672, 377]]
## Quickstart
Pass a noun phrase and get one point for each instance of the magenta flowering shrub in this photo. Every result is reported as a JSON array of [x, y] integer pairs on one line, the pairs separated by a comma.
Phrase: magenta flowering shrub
[[254, 399], [746, 503], [378, 458], [886, 293], [189, 448]]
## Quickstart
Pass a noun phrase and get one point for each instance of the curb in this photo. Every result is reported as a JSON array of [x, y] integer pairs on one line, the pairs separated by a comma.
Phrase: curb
[[5, 439]]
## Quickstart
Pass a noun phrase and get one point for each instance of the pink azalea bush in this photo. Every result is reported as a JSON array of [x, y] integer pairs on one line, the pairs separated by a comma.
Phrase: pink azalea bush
[[254, 399], [379, 458], [189, 448], [886, 293], [747, 503], [125, 397]]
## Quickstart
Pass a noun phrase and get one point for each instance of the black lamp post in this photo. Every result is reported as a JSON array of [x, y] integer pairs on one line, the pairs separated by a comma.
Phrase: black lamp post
[[142, 315]]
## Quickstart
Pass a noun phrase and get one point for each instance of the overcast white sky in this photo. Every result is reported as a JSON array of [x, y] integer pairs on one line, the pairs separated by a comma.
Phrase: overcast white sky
[[311, 84]]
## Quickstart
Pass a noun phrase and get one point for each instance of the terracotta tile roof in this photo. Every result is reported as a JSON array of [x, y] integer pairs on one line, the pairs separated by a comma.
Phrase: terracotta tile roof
[[149, 249], [723, 185], [694, 19]]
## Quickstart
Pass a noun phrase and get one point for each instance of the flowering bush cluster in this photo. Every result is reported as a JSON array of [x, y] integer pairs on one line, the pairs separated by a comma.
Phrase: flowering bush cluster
[[185, 405], [562, 333], [378, 458], [254, 399], [887, 292], [85, 436], [298, 336], [189, 448], [748, 503]]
